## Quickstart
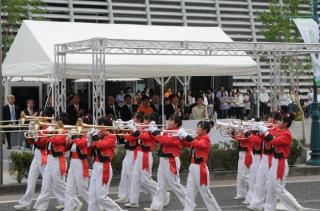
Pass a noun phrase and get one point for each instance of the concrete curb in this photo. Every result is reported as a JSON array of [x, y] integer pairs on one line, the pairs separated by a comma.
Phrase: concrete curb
[[299, 170]]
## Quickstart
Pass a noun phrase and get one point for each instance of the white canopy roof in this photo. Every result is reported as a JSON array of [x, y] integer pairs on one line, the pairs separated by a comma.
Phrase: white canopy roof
[[32, 52]]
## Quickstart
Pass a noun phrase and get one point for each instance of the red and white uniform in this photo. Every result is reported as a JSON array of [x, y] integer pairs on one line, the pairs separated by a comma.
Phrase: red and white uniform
[[278, 173], [168, 170], [103, 150], [256, 142], [78, 174], [244, 164], [142, 169], [260, 188], [198, 177], [37, 167], [55, 171], [131, 146]]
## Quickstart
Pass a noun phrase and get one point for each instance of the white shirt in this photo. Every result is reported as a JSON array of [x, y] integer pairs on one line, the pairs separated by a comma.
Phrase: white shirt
[[264, 97], [310, 98], [239, 101], [205, 100], [284, 100]]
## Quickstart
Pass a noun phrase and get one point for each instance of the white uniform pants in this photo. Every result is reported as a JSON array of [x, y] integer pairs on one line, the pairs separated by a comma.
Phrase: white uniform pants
[[193, 186], [75, 183], [98, 192], [276, 189], [52, 181], [35, 170], [126, 174], [242, 176], [142, 178], [166, 178], [252, 178], [260, 188]]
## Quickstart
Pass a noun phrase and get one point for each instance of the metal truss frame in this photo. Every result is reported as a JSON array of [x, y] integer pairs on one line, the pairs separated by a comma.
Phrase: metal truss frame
[[100, 47]]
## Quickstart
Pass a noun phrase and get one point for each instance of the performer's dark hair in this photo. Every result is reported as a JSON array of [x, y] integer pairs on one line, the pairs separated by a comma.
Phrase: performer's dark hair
[[63, 116], [139, 116], [288, 118], [150, 117], [104, 121], [177, 119], [276, 115], [205, 125]]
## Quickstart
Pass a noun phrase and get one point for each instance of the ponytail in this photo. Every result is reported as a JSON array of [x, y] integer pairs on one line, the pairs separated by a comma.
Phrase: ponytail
[[288, 118]]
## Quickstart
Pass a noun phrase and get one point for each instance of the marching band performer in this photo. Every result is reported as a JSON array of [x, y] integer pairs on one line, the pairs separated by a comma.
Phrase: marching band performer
[[103, 150], [78, 173], [169, 166], [244, 164], [37, 167], [56, 169], [259, 193], [255, 139], [281, 143], [131, 145], [198, 177], [142, 170]]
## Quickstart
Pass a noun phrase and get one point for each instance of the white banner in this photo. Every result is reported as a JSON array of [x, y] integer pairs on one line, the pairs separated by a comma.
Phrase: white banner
[[309, 31]]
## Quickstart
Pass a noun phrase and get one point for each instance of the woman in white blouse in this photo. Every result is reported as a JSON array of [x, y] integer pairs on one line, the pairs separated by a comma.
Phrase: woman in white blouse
[[239, 103]]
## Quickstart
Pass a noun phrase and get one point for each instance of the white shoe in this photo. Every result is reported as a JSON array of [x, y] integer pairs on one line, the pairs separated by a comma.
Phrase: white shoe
[[21, 207], [238, 197], [79, 206], [245, 202], [167, 200], [123, 200], [148, 209], [132, 205], [252, 208], [60, 207]]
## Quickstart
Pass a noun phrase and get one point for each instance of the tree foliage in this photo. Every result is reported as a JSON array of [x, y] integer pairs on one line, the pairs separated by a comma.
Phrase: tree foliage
[[14, 12]]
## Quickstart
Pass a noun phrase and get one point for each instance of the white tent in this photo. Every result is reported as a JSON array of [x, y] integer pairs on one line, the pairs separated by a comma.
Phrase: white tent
[[32, 52]]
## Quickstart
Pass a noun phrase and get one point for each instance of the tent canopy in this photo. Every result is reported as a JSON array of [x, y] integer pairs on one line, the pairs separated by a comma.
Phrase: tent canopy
[[32, 52]]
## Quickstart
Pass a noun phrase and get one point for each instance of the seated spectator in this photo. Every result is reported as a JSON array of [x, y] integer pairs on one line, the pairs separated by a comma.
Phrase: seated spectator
[[200, 110], [145, 107], [173, 107]]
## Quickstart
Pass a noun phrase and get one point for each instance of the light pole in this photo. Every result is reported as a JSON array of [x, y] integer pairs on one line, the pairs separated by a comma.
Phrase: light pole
[[315, 114]]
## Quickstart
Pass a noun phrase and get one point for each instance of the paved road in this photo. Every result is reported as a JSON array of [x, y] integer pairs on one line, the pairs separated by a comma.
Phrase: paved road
[[305, 189]]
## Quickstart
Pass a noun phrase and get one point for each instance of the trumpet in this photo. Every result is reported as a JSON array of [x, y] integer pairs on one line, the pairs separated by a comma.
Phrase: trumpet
[[227, 129], [24, 117]]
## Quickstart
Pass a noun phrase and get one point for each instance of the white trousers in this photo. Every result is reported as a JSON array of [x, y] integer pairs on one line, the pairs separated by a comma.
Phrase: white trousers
[[166, 178], [142, 179], [242, 176], [35, 170], [193, 186], [52, 181], [276, 190], [252, 177], [126, 174], [98, 192], [260, 188], [75, 183]]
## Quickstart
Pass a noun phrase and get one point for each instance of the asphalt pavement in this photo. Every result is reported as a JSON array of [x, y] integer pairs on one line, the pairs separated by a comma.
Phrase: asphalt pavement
[[305, 189]]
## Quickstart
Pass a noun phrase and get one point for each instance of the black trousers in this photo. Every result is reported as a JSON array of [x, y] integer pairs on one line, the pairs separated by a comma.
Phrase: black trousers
[[8, 136]]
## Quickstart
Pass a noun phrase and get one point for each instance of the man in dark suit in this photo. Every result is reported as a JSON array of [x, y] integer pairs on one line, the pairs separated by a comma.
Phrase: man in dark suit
[[11, 112], [253, 102], [111, 109], [128, 109], [74, 110], [157, 107], [29, 111], [173, 107]]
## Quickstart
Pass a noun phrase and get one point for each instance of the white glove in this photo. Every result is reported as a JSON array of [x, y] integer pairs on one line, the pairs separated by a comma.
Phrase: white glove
[[130, 125], [50, 129], [152, 128], [263, 129], [182, 133]]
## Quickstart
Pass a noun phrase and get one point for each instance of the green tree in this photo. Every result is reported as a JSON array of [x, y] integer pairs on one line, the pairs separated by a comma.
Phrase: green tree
[[277, 27], [14, 12]]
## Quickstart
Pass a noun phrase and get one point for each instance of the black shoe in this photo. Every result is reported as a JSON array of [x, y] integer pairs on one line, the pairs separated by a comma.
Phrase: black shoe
[[8, 147]]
